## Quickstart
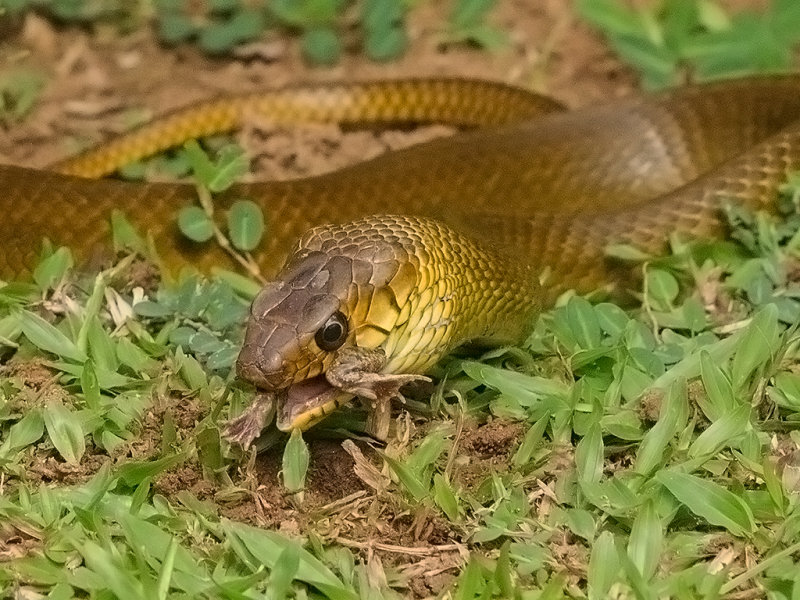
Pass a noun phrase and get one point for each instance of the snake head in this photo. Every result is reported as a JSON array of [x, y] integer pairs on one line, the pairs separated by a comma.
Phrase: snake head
[[342, 288], [364, 307], [285, 318]]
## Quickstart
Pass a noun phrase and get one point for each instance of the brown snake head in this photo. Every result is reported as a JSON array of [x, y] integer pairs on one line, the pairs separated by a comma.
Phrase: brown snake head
[[404, 289], [343, 287]]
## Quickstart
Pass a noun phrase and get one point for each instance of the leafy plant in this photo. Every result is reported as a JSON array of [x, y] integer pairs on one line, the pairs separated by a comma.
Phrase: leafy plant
[[385, 36], [467, 23], [19, 90], [204, 318], [245, 220], [675, 40], [316, 20], [224, 25], [220, 26]]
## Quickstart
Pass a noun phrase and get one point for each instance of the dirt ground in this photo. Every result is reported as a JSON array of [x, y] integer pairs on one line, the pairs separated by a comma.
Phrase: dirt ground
[[99, 84]]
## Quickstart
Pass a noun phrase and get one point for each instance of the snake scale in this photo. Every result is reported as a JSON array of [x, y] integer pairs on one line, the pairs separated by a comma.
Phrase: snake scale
[[404, 257]]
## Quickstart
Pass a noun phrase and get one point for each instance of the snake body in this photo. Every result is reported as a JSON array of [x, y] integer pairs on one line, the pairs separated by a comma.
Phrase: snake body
[[469, 224]]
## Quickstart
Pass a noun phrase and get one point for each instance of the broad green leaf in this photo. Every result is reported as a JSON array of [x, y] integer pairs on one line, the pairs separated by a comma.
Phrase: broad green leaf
[[191, 371], [23, 433], [611, 318], [672, 418], [773, 483], [111, 570], [245, 225], [195, 224], [646, 540], [471, 582], [611, 16], [589, 455], [201, 164], [626, 252], [90, 386], [321, 46], [712, 16], [421, 460], [526, 388], [65, 431], [242, 285], [52, 269], [308, 13], [142, 533], [134, 472], [102, 348], [107, 380], [722, 433], [125, 236], [757, 346], [167, 570], [445, 497], [153, 310], [133, 357], [531, 441], [502, 572], [231, 164], [10, 330], [582, 523], [408, 479], [382, 14], [39, 569], [662, 288], [710, 501], [583, 323], [718, 387], [386, 44], [220, 36], [267, 547], [657, 64], [786, 390], [689, 366], [295, 463], [46, 337], [604, 566], [285, 570]]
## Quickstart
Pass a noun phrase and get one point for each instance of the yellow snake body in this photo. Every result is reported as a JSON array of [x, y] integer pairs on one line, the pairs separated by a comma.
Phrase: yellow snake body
[[530, 192]]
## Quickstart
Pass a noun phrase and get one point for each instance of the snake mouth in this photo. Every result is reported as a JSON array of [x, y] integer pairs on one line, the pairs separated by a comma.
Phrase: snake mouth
[[308, 402]]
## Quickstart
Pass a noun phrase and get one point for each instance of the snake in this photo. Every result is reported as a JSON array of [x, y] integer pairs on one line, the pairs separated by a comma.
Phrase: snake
[[378, 270]]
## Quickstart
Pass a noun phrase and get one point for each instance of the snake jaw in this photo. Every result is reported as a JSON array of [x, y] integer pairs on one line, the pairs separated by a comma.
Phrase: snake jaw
[[354, 372], [307, 403]]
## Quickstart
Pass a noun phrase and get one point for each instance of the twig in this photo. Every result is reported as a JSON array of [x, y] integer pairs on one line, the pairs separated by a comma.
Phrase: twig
[[760, 567], [425, 551], [341, 503], [248, 264]]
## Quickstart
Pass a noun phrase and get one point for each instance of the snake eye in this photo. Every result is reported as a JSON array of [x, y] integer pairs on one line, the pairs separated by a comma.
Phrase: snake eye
[[333, 334]]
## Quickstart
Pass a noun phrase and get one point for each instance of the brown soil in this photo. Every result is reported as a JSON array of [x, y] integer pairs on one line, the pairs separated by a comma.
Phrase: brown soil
[[99, 85]]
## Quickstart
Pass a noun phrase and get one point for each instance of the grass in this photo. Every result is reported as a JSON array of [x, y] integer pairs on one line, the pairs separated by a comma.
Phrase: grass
[[646, 452]]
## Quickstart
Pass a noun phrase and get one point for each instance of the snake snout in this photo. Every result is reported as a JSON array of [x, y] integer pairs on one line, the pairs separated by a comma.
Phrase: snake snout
[[288, 335], [262, 360]]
